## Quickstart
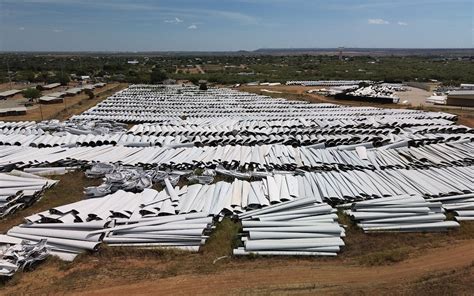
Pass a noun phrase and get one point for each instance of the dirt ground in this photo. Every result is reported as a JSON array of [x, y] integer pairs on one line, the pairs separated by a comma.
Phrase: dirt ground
[[15, 85], [194, 70], [306, 277], [72, 106], [413, 96]]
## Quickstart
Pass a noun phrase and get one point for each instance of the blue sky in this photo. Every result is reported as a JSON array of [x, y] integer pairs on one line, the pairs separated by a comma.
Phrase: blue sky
[[145, 25]]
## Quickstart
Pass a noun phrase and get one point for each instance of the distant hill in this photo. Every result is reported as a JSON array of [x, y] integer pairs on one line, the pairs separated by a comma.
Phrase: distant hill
[[452, 52], [369, 51]]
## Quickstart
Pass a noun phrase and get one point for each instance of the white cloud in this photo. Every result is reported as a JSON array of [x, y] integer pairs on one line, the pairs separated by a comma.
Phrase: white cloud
[[402, 24], [192, 27], [57, 30], [378, 21], [21, 28], [176, 20]]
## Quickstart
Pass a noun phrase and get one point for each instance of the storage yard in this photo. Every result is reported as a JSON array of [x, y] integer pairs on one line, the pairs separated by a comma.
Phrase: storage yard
[[56, 104], [250, 191]]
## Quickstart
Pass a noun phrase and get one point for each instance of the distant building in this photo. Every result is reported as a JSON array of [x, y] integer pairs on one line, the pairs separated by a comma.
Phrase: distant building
[[48, 86], [246, 73], [73, 91], [133, 62], [50, 100], [13, 111], [169, 81], [468, 86], [59, 94], [464, 98], [89, 87], [100, 84], [9, 93]]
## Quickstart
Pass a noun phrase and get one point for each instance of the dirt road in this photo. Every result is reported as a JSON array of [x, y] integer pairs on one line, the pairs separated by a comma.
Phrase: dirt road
[[307, 277]]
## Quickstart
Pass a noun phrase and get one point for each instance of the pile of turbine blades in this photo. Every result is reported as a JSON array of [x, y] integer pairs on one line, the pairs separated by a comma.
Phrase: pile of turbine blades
[[74, 228], [117, 219], [128, 178], [217, 135], [19, 190], [229, 117], [141, 103], [134, 179], [265, 157], [16, 254], [462, 205], [186, 232], [327, 82], [399, 169], [402, 213], [50, 171], [355, 185], [302, 227]]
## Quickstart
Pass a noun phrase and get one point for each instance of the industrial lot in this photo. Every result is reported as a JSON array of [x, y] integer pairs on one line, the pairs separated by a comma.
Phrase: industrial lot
[[236, 147], [219, 178]]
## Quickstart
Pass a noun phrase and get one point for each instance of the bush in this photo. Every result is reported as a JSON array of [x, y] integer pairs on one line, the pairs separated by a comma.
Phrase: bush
[[31, 93], [89, 93], [157, 76]]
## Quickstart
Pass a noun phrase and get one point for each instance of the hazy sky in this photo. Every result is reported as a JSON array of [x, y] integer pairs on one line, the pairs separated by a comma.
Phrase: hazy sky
[[145, 25]]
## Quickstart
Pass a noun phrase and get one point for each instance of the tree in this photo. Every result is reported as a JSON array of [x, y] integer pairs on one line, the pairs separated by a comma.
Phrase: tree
[[89, 93], [31, 93], [202, 85], [63, 79], [42, 77], [25, 76], [157, 76]]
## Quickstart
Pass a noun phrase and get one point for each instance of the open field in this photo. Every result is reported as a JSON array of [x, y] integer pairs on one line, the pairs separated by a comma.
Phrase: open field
[[72, 106], [395, 264]]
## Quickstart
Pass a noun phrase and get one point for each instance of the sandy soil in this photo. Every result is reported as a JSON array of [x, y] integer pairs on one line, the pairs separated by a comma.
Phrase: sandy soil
[[413, 96], [15, 85]]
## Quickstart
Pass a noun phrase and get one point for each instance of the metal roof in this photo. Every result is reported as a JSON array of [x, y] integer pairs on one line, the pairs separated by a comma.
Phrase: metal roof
[[51, 86], [49, 99], [461, 92], [9, 93]]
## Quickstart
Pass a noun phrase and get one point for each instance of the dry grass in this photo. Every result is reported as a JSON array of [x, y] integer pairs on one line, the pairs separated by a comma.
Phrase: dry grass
[[223, 239], [450, 282], [387, 248], [384, 257]]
